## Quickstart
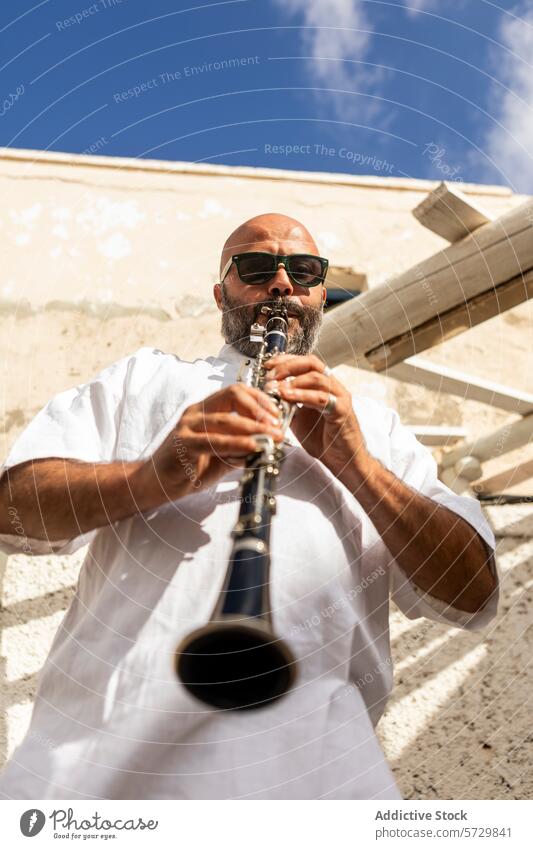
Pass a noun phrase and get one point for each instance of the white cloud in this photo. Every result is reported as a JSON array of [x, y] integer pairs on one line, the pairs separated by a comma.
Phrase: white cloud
[[338, 30], [348, 35], [414, 6], [341, 30], [510, 145]]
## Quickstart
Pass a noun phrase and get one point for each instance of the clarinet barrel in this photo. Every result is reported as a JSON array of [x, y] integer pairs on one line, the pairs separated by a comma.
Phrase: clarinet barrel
[[236, 661]]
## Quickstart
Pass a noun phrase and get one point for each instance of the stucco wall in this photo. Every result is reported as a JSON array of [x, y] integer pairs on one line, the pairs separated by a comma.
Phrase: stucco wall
[[144, 234], [101, 256]]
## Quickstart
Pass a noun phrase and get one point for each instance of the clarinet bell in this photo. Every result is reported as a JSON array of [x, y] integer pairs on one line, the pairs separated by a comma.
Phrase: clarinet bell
[[235, 664]]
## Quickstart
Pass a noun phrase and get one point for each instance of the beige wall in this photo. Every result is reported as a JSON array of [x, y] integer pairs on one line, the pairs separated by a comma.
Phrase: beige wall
[[103, 255], [148, 234]]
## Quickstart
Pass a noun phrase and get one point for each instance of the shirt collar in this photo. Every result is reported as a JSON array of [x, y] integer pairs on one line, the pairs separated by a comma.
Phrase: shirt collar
[[229, 354]]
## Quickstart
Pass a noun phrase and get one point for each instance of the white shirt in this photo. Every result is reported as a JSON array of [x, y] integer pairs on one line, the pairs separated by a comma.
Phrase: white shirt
[[116, 721]]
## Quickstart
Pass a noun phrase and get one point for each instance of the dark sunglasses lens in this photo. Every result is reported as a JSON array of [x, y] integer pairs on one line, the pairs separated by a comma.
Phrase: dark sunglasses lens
[[255, 268], [306, 270]]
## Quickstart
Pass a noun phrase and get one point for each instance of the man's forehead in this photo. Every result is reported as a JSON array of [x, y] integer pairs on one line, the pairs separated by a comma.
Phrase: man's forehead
[[252, 237], [271, 232]]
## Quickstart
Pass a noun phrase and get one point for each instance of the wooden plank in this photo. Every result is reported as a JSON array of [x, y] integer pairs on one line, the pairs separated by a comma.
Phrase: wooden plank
[[435, 435], [511, 477], [346, 277], [445, 326], [440, 378], [459, 485], [448, 213], [494, 444], [494, 254]]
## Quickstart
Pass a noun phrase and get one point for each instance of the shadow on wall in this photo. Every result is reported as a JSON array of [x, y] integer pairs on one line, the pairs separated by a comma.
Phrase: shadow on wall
[[34, 594], [457, 725]]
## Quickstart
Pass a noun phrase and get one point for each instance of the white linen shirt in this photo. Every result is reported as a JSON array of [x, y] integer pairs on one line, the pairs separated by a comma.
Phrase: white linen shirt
[[110, 718]]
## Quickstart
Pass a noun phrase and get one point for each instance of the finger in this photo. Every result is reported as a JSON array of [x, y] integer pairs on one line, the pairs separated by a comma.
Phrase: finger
[[310, 380], [239, 398], [315, 399], [226, 446], [228, 423], [258, 408], [221, 445], [293, 364]]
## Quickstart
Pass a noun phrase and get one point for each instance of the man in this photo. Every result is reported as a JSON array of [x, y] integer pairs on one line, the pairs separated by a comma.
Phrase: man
[[144, 462]]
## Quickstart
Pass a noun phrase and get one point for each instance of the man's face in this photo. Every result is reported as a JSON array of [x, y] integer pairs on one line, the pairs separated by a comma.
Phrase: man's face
[[241, 303]]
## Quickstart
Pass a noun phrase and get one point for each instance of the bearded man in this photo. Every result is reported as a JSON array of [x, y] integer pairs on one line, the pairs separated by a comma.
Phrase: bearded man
[[144, 464]]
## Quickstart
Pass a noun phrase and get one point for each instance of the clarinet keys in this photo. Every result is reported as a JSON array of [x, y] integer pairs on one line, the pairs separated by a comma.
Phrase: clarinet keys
[[236, 661]]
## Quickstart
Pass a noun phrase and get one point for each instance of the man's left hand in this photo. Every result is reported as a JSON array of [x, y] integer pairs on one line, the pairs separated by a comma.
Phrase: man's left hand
[[329, 433], [437, 549]]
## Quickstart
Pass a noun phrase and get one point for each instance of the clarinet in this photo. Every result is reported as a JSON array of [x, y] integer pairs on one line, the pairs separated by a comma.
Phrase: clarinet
[[236, 661]]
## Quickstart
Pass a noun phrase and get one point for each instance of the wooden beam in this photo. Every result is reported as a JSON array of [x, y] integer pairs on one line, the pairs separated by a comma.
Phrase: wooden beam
[[437, 435], [433, 299], [440, 378], [346, 277], [511, 477], [457, 484], [447, 325], [490, 445], [448, 213]]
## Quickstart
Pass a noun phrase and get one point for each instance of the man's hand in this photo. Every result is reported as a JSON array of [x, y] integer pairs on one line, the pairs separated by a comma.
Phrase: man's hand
[[211, 438], [334, 438], [57, 499], [436, 548]]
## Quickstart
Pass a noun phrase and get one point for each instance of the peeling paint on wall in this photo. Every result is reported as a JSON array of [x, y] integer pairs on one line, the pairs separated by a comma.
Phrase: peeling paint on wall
[[115, 247], [26, 217], [212, 208], [103, 214]]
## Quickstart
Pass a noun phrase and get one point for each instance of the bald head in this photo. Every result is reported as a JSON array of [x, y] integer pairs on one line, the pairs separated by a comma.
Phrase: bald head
[[270, 232]]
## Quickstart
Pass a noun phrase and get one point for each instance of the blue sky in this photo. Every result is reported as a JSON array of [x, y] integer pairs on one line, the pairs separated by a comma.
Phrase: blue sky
[[423, 88]]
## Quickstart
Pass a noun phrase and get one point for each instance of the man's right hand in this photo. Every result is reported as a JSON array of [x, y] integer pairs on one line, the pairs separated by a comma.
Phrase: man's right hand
[[57, 499], [210, 439]]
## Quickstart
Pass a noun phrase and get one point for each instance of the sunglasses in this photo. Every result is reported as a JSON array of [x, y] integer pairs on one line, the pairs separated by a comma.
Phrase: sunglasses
[[258, 267]]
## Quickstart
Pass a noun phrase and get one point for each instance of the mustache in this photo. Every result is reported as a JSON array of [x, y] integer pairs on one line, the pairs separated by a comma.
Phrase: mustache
[[238, 318], [294, 308]]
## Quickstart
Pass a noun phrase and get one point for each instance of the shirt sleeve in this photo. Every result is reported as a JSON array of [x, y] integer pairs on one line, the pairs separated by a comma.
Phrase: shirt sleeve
[[79, 424], [414, 464]]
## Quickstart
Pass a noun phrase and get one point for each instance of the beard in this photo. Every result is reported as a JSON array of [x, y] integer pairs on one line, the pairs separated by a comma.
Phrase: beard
[[237, 320]]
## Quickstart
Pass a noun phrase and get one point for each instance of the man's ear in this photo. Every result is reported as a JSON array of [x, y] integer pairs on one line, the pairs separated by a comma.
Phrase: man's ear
[[324, 294], [217, 292]]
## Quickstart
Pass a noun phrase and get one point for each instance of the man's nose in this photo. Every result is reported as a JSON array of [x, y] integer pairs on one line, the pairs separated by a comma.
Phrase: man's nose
[[280, 283]]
